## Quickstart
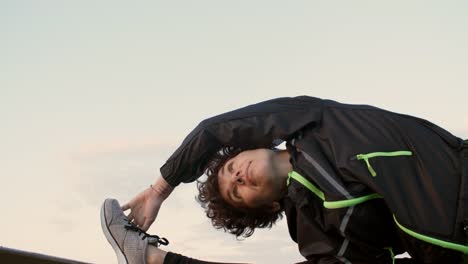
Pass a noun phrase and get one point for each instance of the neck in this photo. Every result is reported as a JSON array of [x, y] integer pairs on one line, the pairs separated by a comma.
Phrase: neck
[[282, 163]]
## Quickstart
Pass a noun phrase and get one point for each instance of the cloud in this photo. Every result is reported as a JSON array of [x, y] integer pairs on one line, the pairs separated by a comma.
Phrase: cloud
[[116, 169]]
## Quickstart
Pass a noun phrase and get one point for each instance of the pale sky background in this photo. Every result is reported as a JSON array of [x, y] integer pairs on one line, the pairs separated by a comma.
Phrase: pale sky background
[[95, 96]]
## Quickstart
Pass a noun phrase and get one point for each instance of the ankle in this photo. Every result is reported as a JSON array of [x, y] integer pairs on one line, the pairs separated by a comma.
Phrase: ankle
[[155, 255]]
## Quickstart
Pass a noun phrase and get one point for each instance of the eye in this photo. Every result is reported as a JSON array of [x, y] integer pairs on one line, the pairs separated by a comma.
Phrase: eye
[[230, 167]]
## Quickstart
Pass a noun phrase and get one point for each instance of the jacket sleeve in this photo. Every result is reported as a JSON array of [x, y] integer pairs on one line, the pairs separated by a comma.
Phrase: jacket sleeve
[[254, 126]]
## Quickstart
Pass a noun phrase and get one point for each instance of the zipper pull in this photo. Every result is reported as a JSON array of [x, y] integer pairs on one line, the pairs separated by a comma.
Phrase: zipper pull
[[369, 167]]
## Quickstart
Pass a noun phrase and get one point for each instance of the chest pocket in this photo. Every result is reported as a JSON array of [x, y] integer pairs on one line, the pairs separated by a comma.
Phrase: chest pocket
[[366, 158]]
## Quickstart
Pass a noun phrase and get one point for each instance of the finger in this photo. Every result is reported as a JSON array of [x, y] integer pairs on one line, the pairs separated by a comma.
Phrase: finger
[[146, 225], [141, 220], [137, 216], [125, 207], [130, 216]]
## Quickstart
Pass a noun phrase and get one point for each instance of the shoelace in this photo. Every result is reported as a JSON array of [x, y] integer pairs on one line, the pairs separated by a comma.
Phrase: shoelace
[[152, 239]]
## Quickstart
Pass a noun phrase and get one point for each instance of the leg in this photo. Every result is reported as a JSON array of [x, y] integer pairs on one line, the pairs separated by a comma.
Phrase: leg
[[132, 245], [155, 255]]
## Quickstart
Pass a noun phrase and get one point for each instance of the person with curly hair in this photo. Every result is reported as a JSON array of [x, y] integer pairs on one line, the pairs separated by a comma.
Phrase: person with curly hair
[[357, 184], [235, 195]]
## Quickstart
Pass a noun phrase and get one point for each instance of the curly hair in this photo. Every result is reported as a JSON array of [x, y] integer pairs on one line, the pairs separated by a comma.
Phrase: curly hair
[[237, 221]]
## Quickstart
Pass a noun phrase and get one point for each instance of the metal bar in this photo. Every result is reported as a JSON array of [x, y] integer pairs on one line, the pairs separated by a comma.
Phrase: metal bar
[[10, 255]]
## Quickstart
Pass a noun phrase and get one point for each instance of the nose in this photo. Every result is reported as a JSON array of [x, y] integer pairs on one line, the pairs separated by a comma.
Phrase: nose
[[237, 177]]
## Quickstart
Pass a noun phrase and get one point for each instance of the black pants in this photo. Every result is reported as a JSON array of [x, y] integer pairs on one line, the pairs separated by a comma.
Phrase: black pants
[[173, 258], [420, 252]]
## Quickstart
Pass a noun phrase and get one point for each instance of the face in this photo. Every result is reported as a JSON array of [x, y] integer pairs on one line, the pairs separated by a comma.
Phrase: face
[[251, 180]]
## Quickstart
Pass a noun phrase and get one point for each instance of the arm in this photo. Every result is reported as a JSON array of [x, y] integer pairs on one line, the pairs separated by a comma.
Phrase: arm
[[254, 126]]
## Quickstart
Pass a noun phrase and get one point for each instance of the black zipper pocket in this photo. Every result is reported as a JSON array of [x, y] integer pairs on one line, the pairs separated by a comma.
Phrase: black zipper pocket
[[368, 156]]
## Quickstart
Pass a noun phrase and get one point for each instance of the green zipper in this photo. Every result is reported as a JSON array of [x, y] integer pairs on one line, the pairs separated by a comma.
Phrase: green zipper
[[306, 183], [435, 241], [392, 255], [368, 156], [333, 204], [351, 202]]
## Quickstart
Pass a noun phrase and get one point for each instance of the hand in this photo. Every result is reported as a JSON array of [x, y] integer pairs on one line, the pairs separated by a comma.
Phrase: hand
[[145, 206]]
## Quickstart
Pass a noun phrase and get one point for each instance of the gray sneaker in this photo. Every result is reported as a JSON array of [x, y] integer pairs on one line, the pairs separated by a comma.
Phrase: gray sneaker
[[129, 242]]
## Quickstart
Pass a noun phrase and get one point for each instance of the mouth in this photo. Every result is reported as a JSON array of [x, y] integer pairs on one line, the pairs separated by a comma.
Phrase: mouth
[[247, 174]]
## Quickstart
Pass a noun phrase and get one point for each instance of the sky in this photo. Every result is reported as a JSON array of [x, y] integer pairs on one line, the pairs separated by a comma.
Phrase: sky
[[96, 95]]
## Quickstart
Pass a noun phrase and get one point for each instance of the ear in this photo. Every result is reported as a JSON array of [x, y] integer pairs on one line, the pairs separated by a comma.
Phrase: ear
[[275, 207]]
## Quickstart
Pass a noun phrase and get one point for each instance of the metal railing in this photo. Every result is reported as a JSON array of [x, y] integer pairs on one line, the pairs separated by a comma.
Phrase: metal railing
[[15, 256]]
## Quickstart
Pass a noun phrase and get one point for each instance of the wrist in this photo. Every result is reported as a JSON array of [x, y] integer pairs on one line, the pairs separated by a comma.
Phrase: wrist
[[161, 188]]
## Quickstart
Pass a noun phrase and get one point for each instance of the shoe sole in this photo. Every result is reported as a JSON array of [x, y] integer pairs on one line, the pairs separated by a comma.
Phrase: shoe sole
[[120, 255]]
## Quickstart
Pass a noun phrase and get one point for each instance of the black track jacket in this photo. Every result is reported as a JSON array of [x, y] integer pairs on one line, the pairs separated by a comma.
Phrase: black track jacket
[[347, 152]]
